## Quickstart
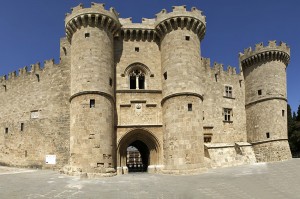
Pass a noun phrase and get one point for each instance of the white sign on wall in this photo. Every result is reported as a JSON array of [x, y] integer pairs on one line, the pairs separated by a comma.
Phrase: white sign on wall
[[50, 159], [34, 114]]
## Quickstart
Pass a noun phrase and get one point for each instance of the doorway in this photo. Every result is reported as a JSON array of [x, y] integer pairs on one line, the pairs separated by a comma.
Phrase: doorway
[[137, 157], [137, 150]]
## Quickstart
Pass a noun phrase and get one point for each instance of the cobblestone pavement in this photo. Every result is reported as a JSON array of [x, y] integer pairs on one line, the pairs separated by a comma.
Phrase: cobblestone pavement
[[263, 180]]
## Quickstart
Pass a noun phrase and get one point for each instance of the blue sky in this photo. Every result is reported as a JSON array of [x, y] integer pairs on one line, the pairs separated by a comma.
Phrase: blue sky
[[31, 29]]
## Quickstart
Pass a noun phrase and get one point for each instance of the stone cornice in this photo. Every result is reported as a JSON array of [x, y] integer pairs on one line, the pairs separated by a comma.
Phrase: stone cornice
[[266, 141], [180, 94], [110, 97], [264, 99]]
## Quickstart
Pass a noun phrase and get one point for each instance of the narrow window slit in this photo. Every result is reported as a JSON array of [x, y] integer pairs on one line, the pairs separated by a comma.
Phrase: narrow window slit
[[190, 107], [259, 92], [38, 77], [165, 75], [92, 103]]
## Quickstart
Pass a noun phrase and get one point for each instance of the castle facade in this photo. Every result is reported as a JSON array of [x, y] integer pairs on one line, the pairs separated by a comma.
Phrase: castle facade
[[123, 85]]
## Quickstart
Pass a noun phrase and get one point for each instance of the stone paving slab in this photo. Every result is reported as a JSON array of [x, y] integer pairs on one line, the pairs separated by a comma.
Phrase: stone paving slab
[[262, 180]]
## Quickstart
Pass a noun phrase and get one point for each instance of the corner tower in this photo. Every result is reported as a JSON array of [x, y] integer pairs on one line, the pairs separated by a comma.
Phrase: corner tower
[[92, 136], [180, 33], [264, 70]]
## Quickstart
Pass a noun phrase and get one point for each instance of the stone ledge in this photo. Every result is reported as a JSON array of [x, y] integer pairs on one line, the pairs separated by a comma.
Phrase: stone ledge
[[266, 141], [138, 91], [139, 126]]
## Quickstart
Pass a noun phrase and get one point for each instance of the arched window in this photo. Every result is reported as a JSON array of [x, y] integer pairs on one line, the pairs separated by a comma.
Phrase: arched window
[[137, 74], [137, 79]]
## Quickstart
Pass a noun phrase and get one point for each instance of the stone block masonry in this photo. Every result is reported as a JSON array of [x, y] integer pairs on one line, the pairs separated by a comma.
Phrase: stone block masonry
[[144, 85]]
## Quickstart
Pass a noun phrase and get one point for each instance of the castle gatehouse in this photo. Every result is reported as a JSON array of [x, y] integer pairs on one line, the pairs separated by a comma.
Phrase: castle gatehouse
[[139, 97]]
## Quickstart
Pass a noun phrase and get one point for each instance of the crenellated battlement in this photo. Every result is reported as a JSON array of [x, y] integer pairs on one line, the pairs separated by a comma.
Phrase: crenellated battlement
[[96, 16], [263, 53], [138, 31], [218, 68], [192, 20], [23, 72], [149, 29]]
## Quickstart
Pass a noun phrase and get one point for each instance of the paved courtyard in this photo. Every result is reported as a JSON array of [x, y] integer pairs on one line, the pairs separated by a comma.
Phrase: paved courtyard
[[263, 180]]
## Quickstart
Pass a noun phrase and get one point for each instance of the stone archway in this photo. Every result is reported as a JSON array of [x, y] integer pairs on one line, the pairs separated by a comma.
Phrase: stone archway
[[146, 143]]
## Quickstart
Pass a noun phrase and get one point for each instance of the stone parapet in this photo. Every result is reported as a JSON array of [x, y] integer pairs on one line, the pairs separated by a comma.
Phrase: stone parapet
[[192, 20], [263, 53], [24, 71], [96, 15]]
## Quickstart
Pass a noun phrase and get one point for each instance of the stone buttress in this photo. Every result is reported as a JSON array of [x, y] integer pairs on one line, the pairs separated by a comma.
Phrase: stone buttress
[[264, 70], [92, 137]]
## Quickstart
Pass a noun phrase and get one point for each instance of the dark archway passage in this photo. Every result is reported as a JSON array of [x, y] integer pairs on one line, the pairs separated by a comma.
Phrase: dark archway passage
[[137, 157], [144, 145]]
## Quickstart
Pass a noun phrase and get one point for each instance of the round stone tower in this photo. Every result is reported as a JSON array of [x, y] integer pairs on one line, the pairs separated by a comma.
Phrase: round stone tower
[[264, 70], [92, 136], [180, 33]]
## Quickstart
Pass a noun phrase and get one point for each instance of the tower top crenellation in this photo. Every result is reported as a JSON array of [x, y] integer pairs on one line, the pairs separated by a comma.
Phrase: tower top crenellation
[[180, 11], [192, 20], [96, 15], [265, 53]]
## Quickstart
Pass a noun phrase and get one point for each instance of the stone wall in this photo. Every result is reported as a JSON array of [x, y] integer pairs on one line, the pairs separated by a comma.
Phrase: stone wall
[[277, 150], [37, 100], [226, 155], [215, 79]]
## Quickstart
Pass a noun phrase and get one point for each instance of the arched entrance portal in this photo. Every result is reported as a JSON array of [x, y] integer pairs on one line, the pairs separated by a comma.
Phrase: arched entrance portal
[[137, 150], [137, 157]]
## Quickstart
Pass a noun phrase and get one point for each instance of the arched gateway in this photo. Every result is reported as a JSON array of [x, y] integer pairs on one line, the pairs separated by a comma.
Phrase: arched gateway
[[146, 144]]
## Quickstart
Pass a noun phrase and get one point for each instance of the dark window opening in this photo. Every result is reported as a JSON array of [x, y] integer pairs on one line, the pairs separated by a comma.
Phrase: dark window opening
[[165, 75], [216, 77], [86, 35], [282, 113], [22, 126], [110, 81], [137, 79], [92, 103], [190, 107], [132, 82], [227, 112], [38, 77], [4, 88], [207, 139], [137, 49], [6, 130], [240, 83], [141, 82], [259, 92], [25, 154], [187, 38], [268, 135], [228, 91]]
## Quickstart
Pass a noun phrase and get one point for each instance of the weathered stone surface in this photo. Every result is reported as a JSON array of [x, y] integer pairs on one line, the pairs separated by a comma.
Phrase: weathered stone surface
[[121, 84]]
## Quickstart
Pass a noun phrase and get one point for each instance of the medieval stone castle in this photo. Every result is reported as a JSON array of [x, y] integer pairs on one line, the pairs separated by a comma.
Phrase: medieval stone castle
[[144, 86]]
